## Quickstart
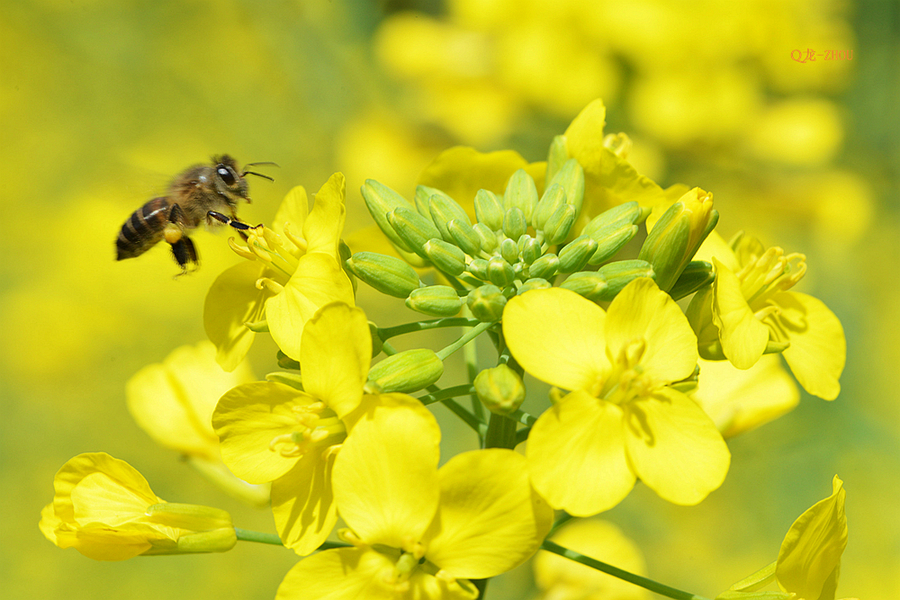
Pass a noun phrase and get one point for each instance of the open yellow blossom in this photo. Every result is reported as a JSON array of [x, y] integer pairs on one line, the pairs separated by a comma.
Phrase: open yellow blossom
[[622, 419], [420, 532], [295, 270], [106, 510], [173, 402], [273, 432], [748, 311]]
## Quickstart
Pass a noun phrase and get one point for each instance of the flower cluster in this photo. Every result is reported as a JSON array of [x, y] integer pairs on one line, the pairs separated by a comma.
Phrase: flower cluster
[[573, 269]]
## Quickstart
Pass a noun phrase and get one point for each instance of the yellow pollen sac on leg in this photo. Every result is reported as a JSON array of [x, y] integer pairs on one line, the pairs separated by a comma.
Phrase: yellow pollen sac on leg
[[173, 233]]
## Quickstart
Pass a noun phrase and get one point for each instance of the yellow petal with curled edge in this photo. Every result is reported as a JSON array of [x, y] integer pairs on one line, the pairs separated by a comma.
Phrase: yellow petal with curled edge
[[233, 301], [818, 347], [323, 228], [318, 280], [339, 574], [576, 455], [557, 336], [489, 519], [335, 354], [303, 503], [743, 336], [385, 476], [810, 557], [642, 312], [674, 447]]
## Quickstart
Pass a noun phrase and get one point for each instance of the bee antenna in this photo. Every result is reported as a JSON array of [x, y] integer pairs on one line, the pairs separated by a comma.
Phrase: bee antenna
[[261, 163], [257, 174]]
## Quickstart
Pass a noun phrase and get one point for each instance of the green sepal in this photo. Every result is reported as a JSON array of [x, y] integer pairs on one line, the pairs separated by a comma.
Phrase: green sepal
[[489, 209], [387, 274], [407, 371], [500, 389], [258, 326], [521, 193], [443, 210], [445, 256], [435, 300], [465, 237], [514, 223], [381, 201], [413, 228], [286, 362], [714, 351], [294, 380], [478, 268], [557, 227], [603, 285], [193, 517], [509, 250], [486, 237], [529, 249], [486, 303], [545, 267], [500, 272], [609, 243], [696, 275], [571, 177], [666, 245], [554, 197], [629, 211], [576, 253]]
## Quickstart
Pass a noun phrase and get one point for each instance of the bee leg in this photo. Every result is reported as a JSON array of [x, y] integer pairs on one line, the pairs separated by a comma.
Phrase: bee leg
[[240, 226], [185, 253]]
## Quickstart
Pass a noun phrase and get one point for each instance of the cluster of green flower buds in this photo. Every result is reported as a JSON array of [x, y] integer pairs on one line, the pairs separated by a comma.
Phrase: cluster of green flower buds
[[517, 243]]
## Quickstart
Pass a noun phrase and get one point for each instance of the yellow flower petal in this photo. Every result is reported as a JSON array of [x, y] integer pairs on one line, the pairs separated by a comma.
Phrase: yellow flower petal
[[576, 455], [174, 401], [715, 246], [810, 557], [674, 447], [743, 336], [818, 348], [489, 520], [339, 574], [303, 504], [293, 210], [335, 353], [247, 419], [317, 281], [740, 400], [322, 229], [642, 311], [557, 336], [232, 301], [385, 476]]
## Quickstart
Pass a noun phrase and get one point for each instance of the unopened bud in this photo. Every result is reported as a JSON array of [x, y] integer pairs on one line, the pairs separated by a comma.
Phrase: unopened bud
[[605, 284], [489, 209], [545, 267], [500, 272], [407, 371], [500, 389], [521, 193], [413, 228], [631, 212], [435, 300], [610, 241], [530, 249], [486, 237], [478, 268], [571, 178], [557, 228], [514, 223], [486, 303], [509, 250], [445, 256], [382, 200], [535, 283], [696, 275], [554, 197], [464, 236], [556, 156], [576, 254], [443, 210], [387, 274]]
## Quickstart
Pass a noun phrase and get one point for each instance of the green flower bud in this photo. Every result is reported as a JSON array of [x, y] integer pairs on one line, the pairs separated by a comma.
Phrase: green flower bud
[[696, 275], [576, 253], [571, 177], [387, 274], [514, 224], [212, 529], [554, 197], [446, 257], [465, 237], [521, 193], [630, 212], [382, 200], [478, 268], [509, 250], [545, 267], [407, 371], [675, 238], [443, 210], [605, 284], [489, 209], [534, 283], [557, 156], [500, 389], [529, 249], [435, 300], [486, 303], [557, 228], [413, 228], [609, 242], [423, 199], [486, 237], [500, 272]]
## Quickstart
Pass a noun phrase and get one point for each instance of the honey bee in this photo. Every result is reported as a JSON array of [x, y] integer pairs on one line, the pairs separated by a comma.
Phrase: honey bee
[[201, 193]]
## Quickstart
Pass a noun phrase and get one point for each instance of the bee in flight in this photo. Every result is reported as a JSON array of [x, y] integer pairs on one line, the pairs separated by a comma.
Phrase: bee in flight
[[201, 193]]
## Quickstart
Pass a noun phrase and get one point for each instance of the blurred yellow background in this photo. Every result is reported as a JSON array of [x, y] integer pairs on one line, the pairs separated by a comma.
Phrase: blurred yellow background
[[101, 102]]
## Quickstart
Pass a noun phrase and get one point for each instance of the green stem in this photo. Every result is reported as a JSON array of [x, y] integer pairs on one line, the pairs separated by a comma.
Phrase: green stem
[[649, 584], [450, 392], [247, 535], [460, 411], [501, 432], [389, 332], [463, 340], [388, 349]]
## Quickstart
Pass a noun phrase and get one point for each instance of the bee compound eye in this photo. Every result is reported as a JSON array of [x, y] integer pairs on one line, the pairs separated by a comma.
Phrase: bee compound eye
[[226, 174]]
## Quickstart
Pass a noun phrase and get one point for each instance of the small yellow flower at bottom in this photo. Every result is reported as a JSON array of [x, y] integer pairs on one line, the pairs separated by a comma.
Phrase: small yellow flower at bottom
[[106, 510]]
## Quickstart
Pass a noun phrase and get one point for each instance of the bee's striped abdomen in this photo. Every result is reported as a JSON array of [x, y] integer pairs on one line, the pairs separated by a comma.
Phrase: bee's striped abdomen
[[143, 229]]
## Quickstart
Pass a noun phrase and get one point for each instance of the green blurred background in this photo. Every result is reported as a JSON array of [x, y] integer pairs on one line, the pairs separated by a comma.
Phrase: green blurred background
[[102, 101]]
